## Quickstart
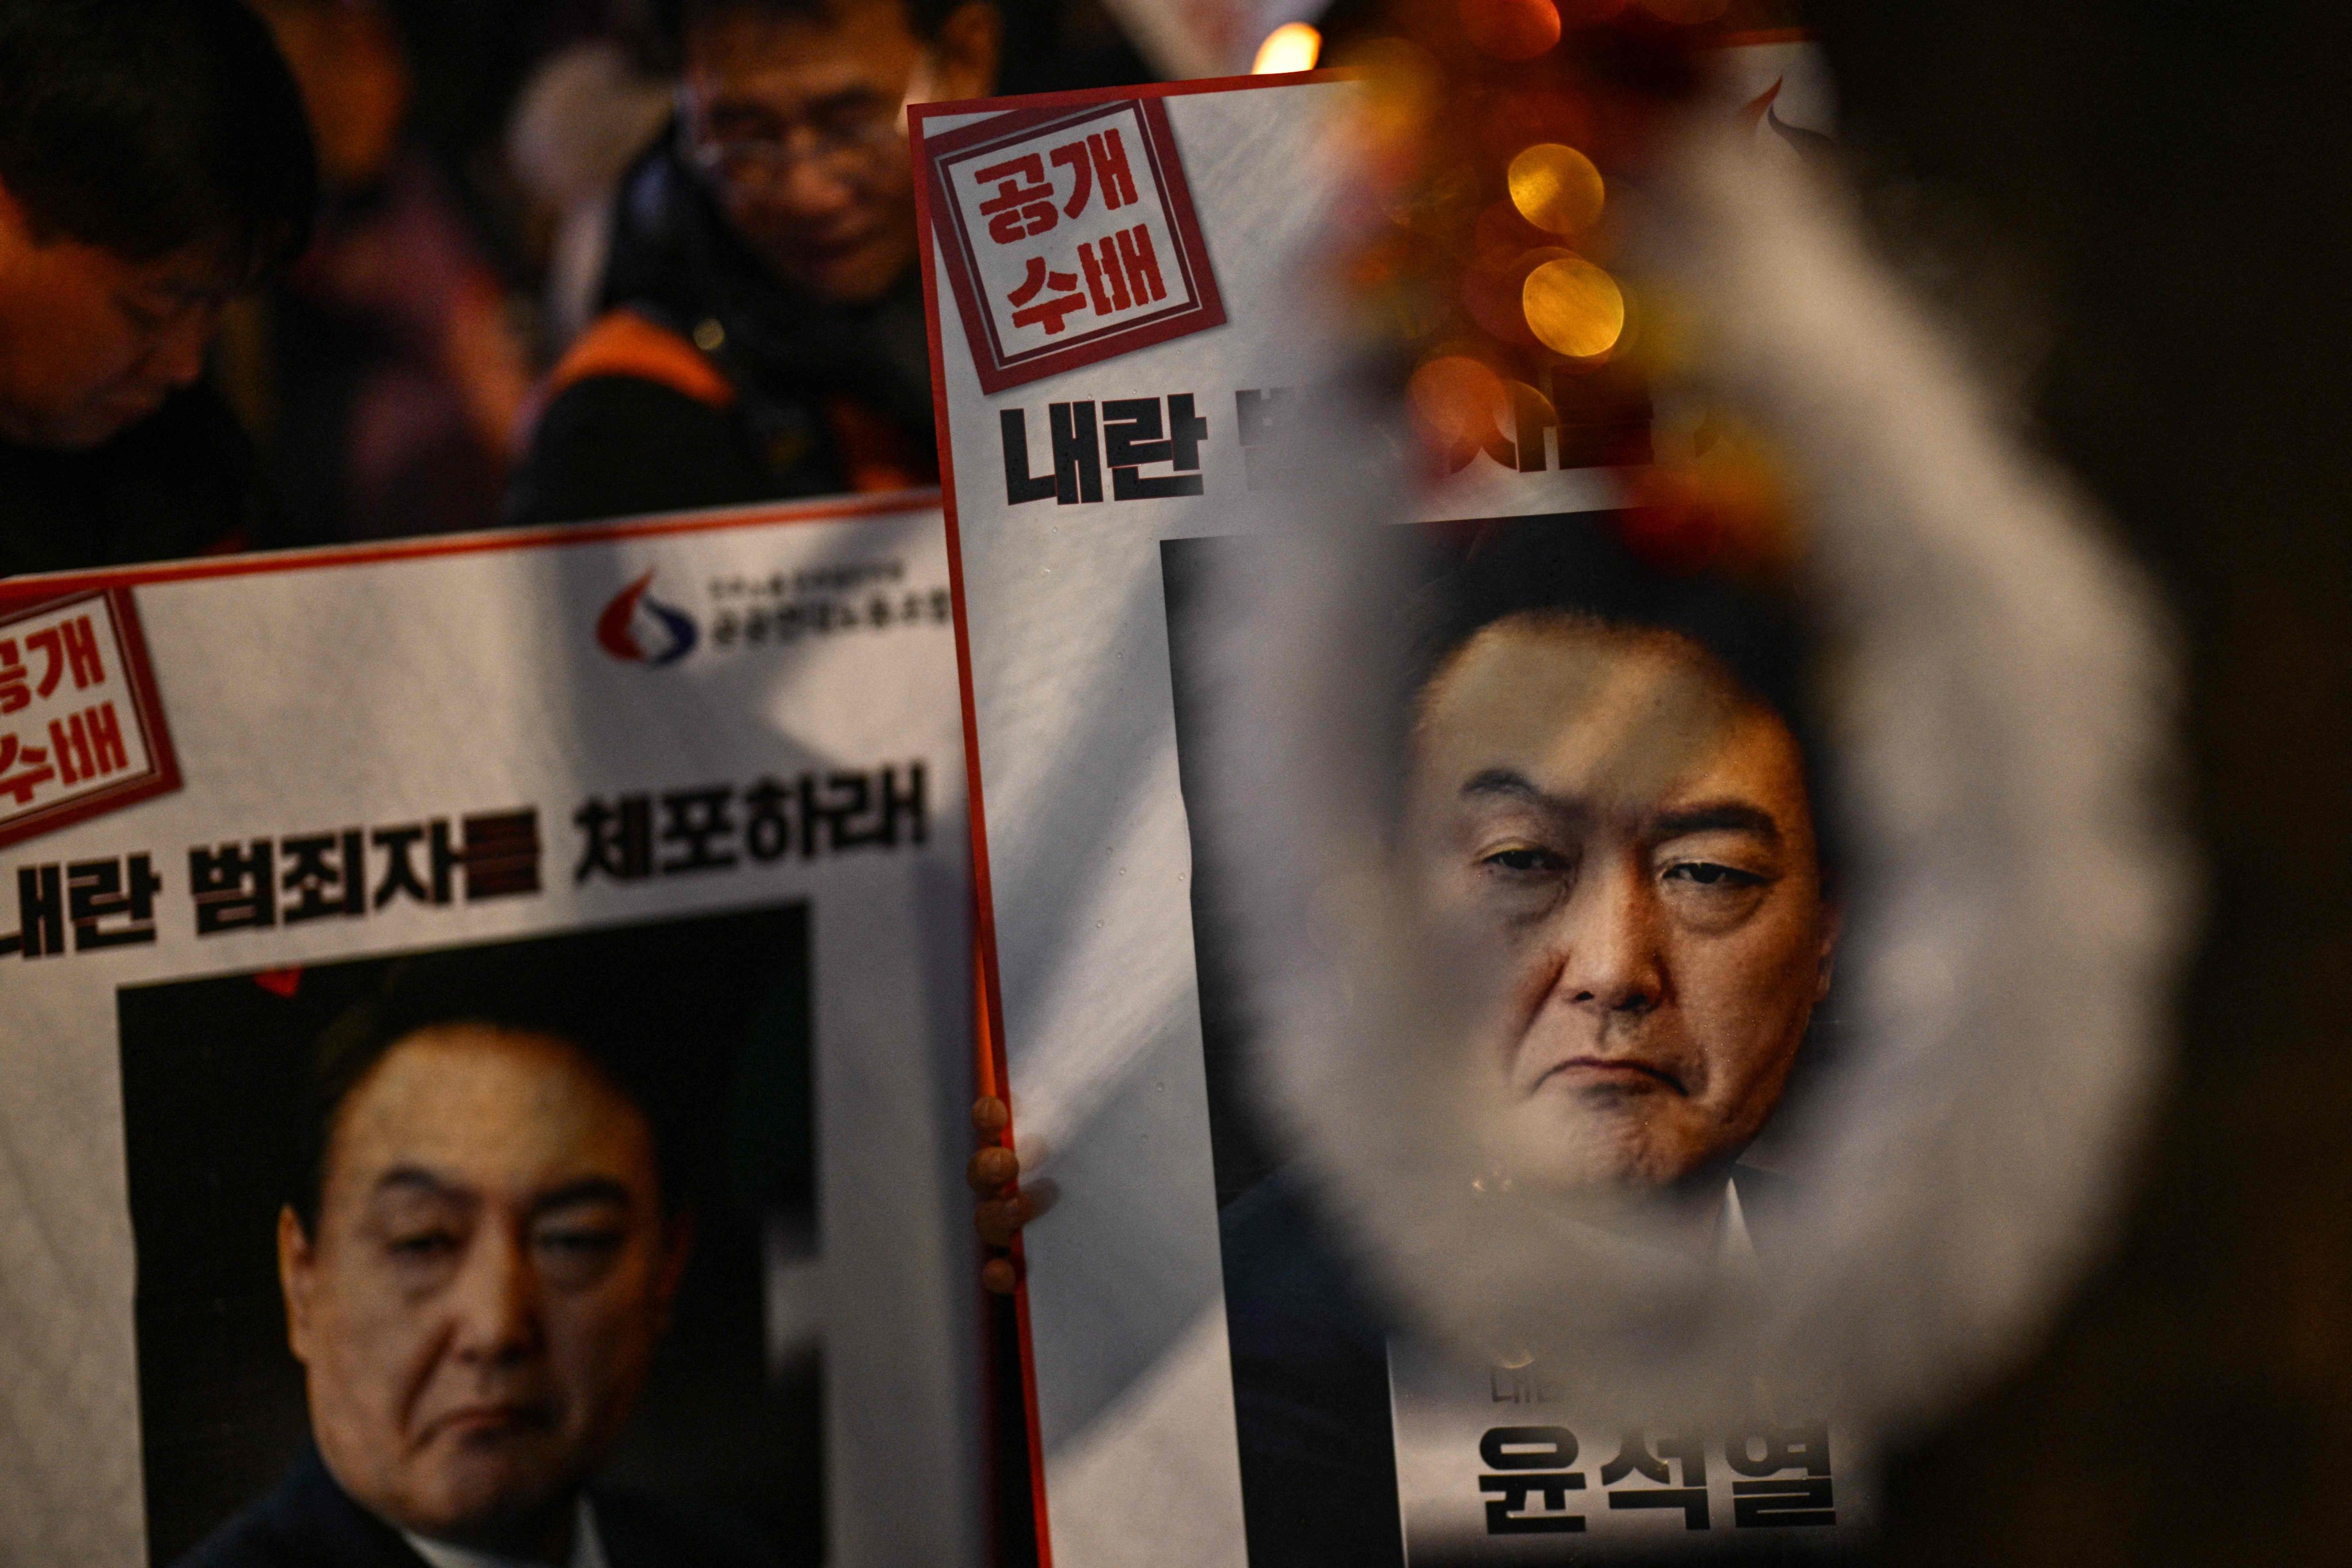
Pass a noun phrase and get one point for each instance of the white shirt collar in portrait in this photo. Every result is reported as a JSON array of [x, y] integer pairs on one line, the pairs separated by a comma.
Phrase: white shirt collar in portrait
[[587, 1548], [1735, 1248]]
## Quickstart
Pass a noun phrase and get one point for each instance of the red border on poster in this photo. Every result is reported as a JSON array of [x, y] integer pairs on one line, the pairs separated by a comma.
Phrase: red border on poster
[[15, 592], [34, 594], [993, 1070], [1000, 372]]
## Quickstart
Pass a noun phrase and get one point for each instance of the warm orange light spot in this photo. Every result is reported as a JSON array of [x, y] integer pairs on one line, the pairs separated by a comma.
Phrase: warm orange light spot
[[1573, 307], [1455, 400], [1292, 47], [1500, 236], [1402, 85], [1495, 296], [1396, 68], [1557, 188], [1728, 506], [1511, 29]]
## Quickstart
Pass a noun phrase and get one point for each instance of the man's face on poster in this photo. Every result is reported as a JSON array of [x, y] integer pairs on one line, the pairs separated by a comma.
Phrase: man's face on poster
[[1607, 817], [491, 1269]]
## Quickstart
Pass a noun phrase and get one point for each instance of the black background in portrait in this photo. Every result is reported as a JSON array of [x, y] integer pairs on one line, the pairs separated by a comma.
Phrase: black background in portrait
[[1237, 1140], [214, 1076], [1310, 1378]]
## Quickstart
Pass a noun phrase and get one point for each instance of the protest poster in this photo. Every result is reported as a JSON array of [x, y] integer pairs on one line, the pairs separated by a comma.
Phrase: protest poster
[[683, 795], [1105, 268]]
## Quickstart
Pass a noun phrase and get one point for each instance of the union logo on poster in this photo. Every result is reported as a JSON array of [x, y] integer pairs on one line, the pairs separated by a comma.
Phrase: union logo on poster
[[1070, 238], [81, 731]]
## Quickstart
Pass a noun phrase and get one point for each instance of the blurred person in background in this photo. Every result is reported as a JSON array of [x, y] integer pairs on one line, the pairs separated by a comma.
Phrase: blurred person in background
[[583, 116], [154, 163], [383, 376], [763, 334]]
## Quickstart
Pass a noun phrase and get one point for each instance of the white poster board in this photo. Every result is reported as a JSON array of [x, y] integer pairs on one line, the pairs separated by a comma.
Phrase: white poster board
[[722, 747], [1088, 426]]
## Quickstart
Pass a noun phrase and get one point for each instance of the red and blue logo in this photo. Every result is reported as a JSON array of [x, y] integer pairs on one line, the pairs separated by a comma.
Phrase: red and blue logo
[[641, 630]]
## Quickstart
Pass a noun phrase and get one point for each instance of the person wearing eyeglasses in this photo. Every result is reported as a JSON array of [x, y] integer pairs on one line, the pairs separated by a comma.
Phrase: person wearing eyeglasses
[[763, 333], [154, 165]]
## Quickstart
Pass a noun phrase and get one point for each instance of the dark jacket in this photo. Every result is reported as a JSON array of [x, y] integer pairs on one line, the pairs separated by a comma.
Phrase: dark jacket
[[744, 390], [309, 1521], [1310, 1390], [182, 482]]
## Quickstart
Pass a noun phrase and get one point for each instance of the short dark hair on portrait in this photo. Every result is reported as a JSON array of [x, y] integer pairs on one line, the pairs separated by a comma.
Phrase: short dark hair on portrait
[[1579, 565], [146, 126], [925, 17], [592, 992]]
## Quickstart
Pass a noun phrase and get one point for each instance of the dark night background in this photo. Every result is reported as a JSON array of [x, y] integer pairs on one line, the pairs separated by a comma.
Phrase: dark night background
[[2168, 181]]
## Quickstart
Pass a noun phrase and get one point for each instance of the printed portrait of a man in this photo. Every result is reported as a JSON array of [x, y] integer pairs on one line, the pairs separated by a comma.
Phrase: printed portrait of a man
[[1607, 797], [491, 1202]]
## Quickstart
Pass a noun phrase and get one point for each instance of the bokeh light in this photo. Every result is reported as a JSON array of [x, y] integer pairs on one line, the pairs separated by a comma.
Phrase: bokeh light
[[1495, 296], [1511, 29], [1292, 47], [1455, 401], [1402, 88], [1557, 188], [1499, 237], [1573, 307]]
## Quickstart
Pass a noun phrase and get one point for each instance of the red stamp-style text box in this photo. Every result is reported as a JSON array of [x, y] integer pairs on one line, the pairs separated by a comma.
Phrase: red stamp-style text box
[[81, 729], [1070, 238]]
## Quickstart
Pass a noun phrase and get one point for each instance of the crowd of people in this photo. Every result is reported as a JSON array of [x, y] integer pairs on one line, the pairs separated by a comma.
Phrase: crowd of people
[[293, 272]]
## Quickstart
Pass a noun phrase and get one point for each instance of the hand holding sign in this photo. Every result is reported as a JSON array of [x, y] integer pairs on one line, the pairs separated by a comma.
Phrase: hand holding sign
[[1004, 1208]]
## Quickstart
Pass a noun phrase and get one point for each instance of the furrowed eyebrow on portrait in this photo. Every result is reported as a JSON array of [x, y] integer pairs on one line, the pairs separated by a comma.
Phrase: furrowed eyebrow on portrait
[[522, 1167], [1607, 796]]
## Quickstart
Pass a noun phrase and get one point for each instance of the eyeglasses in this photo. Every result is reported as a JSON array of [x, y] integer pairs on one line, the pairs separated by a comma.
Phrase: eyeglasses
[[842, 144]]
